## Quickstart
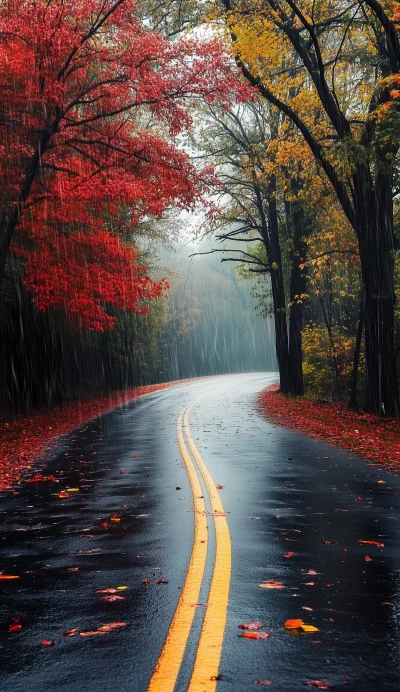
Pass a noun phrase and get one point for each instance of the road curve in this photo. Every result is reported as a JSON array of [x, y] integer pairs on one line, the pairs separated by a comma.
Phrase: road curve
[[144, 510]]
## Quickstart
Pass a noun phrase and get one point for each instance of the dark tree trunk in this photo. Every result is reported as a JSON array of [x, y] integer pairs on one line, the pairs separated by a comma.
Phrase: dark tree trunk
[[374, 210], [297, 289], [353, 401], [273, 248]]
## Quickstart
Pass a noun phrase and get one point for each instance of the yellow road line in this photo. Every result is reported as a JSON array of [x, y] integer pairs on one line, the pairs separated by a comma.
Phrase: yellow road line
[[209, 650], [170, 660], [208, 656]]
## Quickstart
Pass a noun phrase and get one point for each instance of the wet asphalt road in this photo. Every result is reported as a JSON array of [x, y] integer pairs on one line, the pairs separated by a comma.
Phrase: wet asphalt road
[[284, 493]]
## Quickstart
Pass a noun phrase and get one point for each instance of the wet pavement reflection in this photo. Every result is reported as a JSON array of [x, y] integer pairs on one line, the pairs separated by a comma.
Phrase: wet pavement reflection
[[116, 512]]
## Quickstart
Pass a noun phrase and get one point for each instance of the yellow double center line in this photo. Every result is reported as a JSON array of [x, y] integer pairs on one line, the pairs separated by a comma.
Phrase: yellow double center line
[[206, 665]]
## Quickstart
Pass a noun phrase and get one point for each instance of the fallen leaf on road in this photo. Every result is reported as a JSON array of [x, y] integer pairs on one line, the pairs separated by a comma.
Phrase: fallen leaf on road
[[9, 576], [318, 683], [255, 635], [146, 581], [312, 571], [110, 599], [263, 682], [48, 642], [387, 603], [382, 482], [289, 554], [122, 588], [293, 624], [106, 591], [309, 628], [70, 633], [161, 581], [330, 542], [309, 583], [307, 608], [104, 629], [15, 627], [115, 517], [63, 494], [219, 487], [256, 625], [378, 545], [271, 584], [368, 559]]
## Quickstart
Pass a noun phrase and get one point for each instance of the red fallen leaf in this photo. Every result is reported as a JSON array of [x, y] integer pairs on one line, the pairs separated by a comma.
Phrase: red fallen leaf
[[368, 559], [122, 472], [345, 550], [378, 545], [15, 627], [262, 682], [318, 683], [48, 642], [104, 629], [312, 572], [255, 635], [104, 524], [161, 581], [63, 494], [146, 581], [200, 605], [219, 487], [293, 624], [134, 456], [110, 599], [9, 576], [289, 554], [359, 499], [70, 633], [72, 569], [256, 625], [35, 479]]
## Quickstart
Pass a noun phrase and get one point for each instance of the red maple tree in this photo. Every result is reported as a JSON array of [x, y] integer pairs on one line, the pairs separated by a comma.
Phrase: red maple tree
[[90, 104]]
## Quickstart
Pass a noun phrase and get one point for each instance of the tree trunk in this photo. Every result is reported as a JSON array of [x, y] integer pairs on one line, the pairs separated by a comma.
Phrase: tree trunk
[[297, 289], [353, 401], [374, 210]]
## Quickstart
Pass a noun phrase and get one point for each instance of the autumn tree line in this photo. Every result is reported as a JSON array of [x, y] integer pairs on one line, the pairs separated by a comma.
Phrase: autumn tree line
[[293, 111]]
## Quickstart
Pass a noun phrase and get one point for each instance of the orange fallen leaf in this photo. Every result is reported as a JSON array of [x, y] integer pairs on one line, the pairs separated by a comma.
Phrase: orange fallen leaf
[[368, 559], [9, 576], [112, 626], [293, 624], [271, 584], [106, 591], [70, 633], [146, 581], [110, 599], [63, 494], [378, 545], [115, 517], [309, 583], [48, 642], [219, 487], [255, 635], [289, 554]]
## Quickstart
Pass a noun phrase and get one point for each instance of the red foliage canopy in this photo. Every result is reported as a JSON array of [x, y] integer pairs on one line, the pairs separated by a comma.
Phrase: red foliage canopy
[[87, 99]]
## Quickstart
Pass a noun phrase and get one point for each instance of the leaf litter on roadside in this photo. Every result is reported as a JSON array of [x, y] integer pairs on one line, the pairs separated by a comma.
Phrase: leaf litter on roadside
[[104, 629]]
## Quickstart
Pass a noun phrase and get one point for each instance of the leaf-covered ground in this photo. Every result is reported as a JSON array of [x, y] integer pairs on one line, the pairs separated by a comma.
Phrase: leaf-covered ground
[[364, 434], [24, 440]]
